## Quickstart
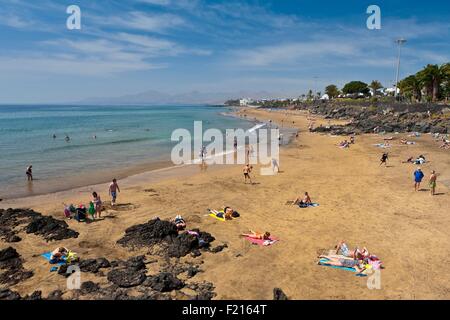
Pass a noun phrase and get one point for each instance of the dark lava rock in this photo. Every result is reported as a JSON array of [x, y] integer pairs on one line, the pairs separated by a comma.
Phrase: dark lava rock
[[219, 248], [278, 294], [89, 287], [7, 255], [126, 278], [13, 238], [164, 282], [93, 265], [50, 228], [164, 232], [55, 295], [148, 233], [11, 263], [192, 271], [37, 295], [205, 290], [7, 294]]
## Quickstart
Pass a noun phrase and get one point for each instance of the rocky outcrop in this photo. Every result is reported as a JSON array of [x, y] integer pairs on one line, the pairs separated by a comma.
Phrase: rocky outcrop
[[11, 267], [365, 117], [46, 226], [165, 233]]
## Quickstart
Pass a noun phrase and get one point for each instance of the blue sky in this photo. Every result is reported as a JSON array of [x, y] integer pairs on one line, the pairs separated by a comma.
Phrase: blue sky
[[176, 46]]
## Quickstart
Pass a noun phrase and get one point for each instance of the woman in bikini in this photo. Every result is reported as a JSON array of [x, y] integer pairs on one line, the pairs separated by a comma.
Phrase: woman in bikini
[[97, 203], [257, 235]]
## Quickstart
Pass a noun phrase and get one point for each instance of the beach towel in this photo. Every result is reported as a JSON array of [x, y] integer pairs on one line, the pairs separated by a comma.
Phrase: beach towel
[[309, 205], [48, 256], [216, 217], [381, 145], [261, 242], [323, 262]]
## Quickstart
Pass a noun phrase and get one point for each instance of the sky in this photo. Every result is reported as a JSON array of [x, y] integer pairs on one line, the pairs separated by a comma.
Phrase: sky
[[176, 46]]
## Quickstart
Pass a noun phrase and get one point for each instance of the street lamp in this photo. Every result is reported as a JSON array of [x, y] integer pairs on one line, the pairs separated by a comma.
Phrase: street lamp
[[400, 42]]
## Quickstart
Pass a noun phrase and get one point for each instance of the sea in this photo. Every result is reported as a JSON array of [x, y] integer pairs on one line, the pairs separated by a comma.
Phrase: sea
[[105, 142]]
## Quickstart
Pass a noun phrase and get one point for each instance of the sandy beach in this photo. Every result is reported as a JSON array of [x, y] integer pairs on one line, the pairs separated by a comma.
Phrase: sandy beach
[[360, 201]]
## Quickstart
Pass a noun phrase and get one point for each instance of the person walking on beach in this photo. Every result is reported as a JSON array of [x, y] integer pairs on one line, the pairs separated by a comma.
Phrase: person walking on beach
[[247, 170], [29, 173], [97, 203], [418, 176], [113, 189], [384, 159], [275, 165], [432, 182]]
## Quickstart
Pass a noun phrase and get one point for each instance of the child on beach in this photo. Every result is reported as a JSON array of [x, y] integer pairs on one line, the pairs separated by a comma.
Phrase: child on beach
[[97, 203], [384, 159], [29, 173], [432, 182], [247, 170], [418, 176], [113, 189]]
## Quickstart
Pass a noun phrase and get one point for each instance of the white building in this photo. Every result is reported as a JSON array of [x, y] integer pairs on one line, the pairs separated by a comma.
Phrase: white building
[[245, 101]]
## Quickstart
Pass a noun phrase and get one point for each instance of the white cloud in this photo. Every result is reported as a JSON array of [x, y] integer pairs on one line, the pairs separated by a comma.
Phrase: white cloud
[[156, 2], [143, 21]]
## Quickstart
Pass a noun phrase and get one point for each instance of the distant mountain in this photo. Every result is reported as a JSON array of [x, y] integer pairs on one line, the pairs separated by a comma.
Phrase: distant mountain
[[153, 97]]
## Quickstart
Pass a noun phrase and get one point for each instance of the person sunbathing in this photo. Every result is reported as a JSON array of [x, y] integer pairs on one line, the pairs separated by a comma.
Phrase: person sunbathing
[[257, 235], [306, 200], [358, 265], [410, 160], [228, 213], [179, 223], [58, 254], [342, 248]]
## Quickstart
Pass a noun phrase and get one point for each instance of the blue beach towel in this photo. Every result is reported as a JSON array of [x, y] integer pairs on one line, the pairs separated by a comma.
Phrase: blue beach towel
[[323, 262], [310, 205], [48, 255]]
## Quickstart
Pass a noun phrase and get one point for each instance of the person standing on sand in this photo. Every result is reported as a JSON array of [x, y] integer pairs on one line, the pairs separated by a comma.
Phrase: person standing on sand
[[432, 182], [418, 176], [29, 173], [384, 159], [97, 203], [113, 189], [247, 170]]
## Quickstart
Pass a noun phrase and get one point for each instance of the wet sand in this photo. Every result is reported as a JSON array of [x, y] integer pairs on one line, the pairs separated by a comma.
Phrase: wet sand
[[360, 201]]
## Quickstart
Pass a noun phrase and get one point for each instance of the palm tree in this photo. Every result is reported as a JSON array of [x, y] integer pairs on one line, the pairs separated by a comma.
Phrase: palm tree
[[445, 69], [431, 78], [375, 85], [410, 87]]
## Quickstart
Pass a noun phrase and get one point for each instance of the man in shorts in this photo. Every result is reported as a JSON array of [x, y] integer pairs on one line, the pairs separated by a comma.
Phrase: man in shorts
[[432, 182], [113, 189], [247, 170]]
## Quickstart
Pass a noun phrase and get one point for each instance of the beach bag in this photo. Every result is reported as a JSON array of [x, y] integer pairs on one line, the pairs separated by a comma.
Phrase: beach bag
[[72, 257], [81, 214], [235, 214]]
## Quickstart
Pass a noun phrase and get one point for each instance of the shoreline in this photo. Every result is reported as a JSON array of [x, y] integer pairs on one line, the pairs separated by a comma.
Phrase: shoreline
[[126, 173], [348, 184]]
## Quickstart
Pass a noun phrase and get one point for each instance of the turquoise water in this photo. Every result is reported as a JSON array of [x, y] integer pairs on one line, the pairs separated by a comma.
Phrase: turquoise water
[[125, 136]]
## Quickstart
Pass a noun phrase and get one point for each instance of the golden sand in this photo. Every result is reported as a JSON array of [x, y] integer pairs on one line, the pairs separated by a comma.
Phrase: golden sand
[[360, 201]]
